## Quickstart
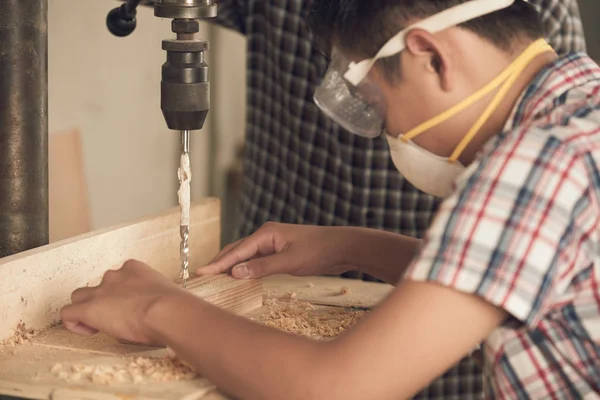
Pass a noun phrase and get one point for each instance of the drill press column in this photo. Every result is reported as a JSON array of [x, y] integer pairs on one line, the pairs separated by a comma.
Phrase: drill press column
[[23, 125]]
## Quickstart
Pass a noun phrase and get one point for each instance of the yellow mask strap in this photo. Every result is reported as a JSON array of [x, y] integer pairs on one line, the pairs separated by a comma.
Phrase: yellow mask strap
[[508, 77], [518, 68]]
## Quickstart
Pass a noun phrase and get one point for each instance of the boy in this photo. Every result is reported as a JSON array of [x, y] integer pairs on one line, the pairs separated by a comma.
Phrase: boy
[[477, 109]]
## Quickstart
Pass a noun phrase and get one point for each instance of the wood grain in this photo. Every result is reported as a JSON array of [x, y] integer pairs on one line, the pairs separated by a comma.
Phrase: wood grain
[[69, 203], [328, 291], [34, 285], [235, 295], [25, 369]]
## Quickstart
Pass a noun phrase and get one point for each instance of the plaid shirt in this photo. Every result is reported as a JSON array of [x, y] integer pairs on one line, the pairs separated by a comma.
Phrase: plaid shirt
[[300, 167], [522, 231]]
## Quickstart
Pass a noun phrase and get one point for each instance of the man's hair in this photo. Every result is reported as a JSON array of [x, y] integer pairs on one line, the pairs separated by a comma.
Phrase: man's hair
[[363, 26]]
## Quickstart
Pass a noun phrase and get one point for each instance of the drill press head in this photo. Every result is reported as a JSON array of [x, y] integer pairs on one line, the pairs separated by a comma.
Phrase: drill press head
[[185, 9], [185, 89]]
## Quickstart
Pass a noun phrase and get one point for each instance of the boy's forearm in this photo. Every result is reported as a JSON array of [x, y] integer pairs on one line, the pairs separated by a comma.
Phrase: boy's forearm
[[251, 361], [248, 359], [384, 255]]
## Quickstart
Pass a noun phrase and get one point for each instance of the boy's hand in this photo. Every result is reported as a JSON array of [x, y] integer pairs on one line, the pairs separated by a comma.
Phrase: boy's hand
[[119, 305], [283, 249]]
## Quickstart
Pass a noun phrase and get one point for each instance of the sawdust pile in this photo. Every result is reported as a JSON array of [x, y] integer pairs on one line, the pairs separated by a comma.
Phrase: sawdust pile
[[22, 335], [296, 317], [304, 319], [138, 370]]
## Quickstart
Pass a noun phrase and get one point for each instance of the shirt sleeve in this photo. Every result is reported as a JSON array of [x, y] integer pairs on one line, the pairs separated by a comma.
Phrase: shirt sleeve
[[232, 14], [562, 22], [506, 231]]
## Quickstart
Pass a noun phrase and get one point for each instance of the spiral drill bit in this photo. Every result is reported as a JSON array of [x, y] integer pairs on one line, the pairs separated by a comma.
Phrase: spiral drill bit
[[185, 175]]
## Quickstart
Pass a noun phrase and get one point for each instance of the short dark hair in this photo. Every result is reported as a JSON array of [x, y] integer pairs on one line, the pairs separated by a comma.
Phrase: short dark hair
[[363, 26]]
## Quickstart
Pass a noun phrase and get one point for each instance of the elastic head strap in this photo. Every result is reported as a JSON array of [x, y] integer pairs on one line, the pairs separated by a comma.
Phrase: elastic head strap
[[517, 68], [443, 20], [487, 89]]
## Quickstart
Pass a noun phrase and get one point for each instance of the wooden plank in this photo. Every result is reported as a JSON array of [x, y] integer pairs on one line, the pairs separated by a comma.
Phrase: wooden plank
[[68, 192], [34, 285], [25, 369], [28, 373], [235, 295], [328, 291]]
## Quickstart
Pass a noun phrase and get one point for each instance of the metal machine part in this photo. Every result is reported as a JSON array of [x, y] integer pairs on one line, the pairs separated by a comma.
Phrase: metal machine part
[[185, 89], [184, 199], [121, 20], [23, 125], [188, 9]]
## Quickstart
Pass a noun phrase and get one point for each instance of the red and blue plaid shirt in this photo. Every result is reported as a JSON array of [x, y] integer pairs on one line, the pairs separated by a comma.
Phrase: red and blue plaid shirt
[[522, 231]]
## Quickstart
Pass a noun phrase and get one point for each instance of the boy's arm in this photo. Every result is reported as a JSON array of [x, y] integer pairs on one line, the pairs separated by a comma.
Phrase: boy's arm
[[304, 250], [384, 255], [413, 337]]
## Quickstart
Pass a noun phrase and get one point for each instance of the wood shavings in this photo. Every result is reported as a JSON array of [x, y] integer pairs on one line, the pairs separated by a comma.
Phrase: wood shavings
[[22, 335], [138, 370], [184, 174], [304, 319]]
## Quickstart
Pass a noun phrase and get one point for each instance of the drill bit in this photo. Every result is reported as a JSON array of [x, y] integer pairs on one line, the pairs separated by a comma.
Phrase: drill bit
[[185, 175]]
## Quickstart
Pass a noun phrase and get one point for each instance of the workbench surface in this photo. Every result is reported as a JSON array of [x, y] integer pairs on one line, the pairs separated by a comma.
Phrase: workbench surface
[[25, 369]]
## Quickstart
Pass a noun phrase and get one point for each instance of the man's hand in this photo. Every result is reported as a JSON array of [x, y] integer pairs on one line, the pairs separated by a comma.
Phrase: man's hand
[[284, 249], [119, 305]]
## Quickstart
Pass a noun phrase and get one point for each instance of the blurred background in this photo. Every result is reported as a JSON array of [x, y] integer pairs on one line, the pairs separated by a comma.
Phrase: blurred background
[[112, 159]]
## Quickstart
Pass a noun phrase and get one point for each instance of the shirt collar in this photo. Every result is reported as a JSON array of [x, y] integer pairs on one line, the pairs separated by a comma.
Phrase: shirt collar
[[556, 79]]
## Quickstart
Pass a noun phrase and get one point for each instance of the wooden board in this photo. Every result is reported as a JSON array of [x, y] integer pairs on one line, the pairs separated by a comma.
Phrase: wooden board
[[27, 373], [235, 295], [24, 370], [328, 291], [34, 285], [68, 192]]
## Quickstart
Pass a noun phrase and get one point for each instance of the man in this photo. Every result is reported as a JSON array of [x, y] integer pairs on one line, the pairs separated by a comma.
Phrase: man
[[478, 110], [302, 167]]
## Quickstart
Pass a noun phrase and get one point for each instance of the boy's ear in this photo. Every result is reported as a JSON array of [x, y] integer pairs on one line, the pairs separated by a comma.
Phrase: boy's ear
[[436, 60]]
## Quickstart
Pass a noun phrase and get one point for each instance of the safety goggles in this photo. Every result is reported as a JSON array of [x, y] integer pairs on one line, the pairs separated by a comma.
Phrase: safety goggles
[[354, 101]]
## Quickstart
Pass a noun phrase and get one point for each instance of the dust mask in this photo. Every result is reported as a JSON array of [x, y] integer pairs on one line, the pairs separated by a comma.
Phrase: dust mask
[[353, 100], [433, 174]]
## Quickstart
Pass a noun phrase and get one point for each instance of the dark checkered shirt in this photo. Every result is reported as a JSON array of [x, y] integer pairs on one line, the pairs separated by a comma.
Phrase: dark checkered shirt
[[300, 167]]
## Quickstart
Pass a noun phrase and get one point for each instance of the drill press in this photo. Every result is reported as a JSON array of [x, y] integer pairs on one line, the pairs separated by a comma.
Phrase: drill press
[[185, 93]]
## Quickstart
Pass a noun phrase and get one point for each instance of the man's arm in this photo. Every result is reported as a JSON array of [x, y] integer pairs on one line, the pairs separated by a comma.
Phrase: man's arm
[[384, 255], [414, 336], [315, 250]]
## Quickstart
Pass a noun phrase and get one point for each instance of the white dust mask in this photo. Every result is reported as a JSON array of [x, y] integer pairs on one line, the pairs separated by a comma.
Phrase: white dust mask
[[428, 172], [434, 174]]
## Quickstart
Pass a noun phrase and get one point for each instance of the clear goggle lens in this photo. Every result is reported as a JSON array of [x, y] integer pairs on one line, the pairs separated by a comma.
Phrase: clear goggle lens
[[347, 96], [358, 109]]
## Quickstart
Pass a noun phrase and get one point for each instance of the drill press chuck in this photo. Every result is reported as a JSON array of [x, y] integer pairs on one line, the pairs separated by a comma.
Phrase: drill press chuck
[[185, 90]]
